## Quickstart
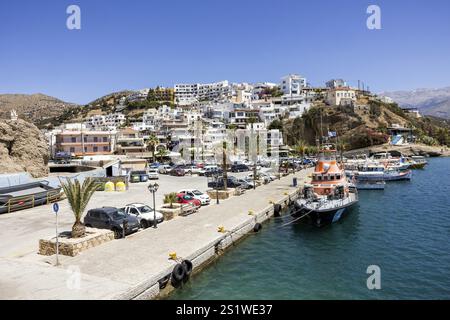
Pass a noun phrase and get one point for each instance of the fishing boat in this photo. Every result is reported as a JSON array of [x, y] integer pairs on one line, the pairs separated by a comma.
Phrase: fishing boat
[[368, 180], [330, 195], [394, 174], [27, 195], [417, 162], [388, 160]]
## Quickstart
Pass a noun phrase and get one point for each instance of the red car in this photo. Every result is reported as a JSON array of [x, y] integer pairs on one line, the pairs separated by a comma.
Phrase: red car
[[186, 199]]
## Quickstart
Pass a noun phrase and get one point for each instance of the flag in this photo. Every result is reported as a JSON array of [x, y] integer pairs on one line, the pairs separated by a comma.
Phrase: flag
[[331, 134]]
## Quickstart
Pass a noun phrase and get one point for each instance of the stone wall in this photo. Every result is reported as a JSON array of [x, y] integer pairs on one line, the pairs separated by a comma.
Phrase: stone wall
[[72, 246]]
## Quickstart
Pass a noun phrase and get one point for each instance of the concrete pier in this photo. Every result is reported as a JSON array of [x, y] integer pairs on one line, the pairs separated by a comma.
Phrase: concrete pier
[[130, 268]]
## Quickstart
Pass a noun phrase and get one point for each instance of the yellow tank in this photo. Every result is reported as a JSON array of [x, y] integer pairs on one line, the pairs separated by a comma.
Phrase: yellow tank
[[120, 186], [109, 186]]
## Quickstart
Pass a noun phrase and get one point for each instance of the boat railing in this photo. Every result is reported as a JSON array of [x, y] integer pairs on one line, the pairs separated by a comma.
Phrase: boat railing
[[30, 201]]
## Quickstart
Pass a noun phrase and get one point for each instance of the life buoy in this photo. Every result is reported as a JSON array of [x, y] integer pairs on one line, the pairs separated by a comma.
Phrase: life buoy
[[187, 267], [178, 274], [257, 227]]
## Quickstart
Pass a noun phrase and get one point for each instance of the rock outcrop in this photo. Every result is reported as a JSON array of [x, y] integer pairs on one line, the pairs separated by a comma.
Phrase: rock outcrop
[[23, 148]]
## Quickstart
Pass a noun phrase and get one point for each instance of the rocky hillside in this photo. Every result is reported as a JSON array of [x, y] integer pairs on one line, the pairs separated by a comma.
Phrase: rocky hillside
[[435, 102], [34, 107], [22, 148], [362, 127]]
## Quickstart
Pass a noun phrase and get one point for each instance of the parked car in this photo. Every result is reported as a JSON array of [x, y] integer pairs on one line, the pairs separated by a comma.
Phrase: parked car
[[196, 194], [232, 182], [210, 171], [264, 177], [186, 199], [143, 213], [177, 171], [112, 219], [153, 174], [244, 184], [192, 169], [239, 168], [164, 168]]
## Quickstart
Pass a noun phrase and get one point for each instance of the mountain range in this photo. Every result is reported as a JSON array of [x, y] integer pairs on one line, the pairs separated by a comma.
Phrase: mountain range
[[434, 102]]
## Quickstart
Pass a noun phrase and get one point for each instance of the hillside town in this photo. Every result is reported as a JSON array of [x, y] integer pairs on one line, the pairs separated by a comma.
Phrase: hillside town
[[198, 115]]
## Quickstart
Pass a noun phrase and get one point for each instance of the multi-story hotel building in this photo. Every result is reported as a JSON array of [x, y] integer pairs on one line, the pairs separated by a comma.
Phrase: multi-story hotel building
[[81, 143], [191, 93]]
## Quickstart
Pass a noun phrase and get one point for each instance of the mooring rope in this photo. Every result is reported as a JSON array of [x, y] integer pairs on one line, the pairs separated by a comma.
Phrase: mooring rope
[[296, 219]]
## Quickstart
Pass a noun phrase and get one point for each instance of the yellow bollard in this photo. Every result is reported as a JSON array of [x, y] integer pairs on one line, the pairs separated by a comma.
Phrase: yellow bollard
[[221, 229], [173, 255], [120, 186], [109, 186], [251, 212]]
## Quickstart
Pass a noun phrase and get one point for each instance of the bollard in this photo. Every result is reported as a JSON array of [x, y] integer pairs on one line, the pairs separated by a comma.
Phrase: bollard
[[294, 181]]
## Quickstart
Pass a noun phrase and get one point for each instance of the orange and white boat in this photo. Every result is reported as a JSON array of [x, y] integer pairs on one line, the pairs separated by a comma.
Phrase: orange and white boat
[[329, 195]]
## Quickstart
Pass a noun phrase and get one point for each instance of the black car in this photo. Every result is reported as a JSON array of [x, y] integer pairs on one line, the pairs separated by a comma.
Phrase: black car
[[112, 219], [213, 171], [232, 182], [239, 168]]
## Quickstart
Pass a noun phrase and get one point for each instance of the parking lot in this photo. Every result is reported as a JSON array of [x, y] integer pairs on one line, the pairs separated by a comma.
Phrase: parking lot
[[21, 230]]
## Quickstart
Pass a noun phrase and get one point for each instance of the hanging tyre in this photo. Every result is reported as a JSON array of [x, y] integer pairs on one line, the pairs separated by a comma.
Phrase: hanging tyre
[[257, 227], [187, 267], [178, 274], [277, 210]]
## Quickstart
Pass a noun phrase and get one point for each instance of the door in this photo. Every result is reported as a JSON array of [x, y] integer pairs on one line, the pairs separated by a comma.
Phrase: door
[[104, 221]]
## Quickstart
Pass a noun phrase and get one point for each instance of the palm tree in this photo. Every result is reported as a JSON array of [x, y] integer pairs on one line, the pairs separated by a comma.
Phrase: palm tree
[[161, 154], [341, 147], [152, 142], [78, 196], [170, 198], [300, 148]]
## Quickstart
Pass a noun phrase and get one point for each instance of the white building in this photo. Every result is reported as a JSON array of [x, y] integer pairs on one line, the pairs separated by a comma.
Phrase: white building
[[186, 94], [336, 83], [341, 96], [107, 122], [292, 84]]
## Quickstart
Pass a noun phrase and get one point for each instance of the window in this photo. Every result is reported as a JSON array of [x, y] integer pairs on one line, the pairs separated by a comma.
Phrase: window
[[95, 139], [73, 139], [95, 149], [105, 148], [134, 211], [72, 149], [94, 214]]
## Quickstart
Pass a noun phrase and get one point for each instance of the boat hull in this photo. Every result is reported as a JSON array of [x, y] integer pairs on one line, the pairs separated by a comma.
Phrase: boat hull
[[406, 175], [321, 218]]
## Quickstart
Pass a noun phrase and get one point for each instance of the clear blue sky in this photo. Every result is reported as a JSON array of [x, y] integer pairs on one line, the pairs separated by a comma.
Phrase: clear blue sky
[[135, 44]]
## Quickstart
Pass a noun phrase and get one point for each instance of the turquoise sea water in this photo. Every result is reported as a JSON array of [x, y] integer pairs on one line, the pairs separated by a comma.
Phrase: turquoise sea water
[[405, 230]]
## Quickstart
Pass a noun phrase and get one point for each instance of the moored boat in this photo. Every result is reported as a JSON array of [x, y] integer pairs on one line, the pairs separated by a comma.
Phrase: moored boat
[[330, 195]]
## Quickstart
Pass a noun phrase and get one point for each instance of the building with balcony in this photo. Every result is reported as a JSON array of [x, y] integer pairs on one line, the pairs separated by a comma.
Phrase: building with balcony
[[81, 143], [129, 141], [186, 94], [292, 84]]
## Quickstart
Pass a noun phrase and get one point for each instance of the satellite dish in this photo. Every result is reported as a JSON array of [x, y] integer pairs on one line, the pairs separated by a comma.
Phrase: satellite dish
[[326, 166]]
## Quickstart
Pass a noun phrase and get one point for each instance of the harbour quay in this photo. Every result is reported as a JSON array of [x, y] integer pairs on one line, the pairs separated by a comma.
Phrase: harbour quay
[[138, 266]]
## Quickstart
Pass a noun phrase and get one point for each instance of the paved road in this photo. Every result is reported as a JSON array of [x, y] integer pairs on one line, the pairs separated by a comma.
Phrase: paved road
[[118, 265]]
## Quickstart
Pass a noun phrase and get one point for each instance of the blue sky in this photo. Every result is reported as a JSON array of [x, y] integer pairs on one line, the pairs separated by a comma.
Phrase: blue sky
[[135, 44]]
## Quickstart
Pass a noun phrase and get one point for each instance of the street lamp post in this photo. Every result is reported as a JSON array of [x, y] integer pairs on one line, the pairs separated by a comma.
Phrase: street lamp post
[[153, 187], [216, 176]]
